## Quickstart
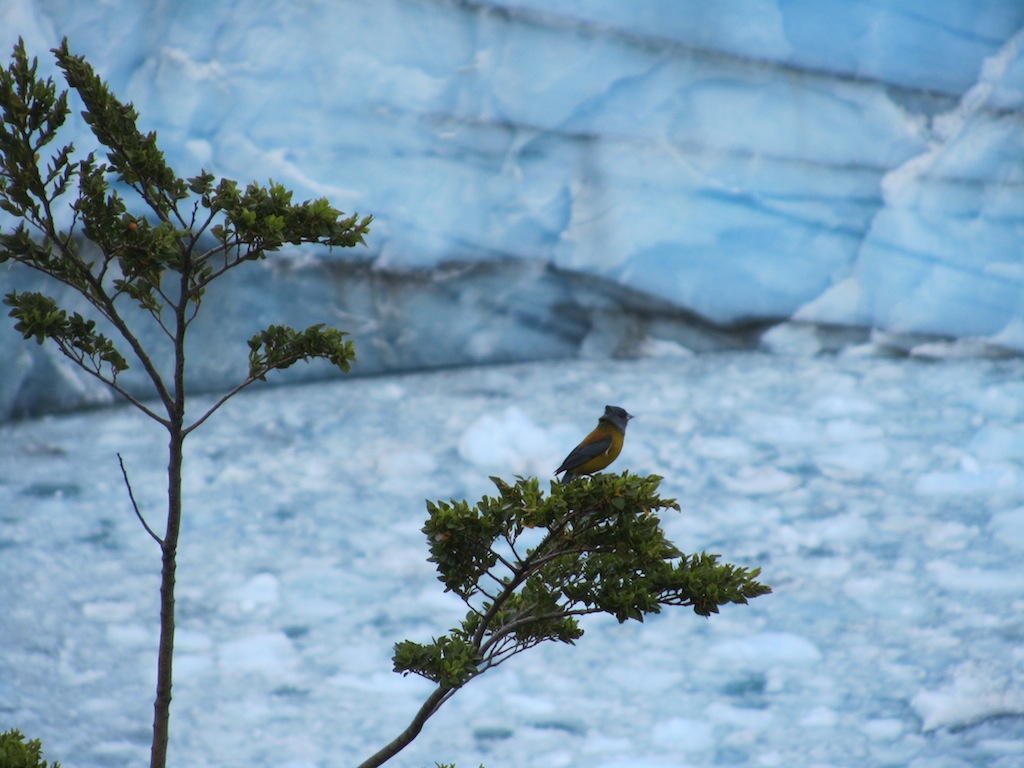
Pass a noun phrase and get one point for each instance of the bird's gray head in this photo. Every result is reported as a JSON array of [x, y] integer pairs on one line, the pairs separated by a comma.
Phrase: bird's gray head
[[616, 416]]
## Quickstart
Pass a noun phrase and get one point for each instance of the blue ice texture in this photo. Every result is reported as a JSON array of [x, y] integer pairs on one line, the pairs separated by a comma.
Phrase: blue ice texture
[[882, 497], [841, 164]]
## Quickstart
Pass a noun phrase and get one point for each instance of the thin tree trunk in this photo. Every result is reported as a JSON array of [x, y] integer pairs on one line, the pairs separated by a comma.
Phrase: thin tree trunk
[[165, 658]]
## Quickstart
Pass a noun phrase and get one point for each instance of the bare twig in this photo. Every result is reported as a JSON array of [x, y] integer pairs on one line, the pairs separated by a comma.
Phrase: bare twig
[[135, 506], [213, 409], [79, 359]]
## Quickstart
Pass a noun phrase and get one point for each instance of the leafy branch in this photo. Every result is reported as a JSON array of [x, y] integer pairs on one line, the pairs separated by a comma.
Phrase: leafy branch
[[161, 262], [156, 250], [601, 549]]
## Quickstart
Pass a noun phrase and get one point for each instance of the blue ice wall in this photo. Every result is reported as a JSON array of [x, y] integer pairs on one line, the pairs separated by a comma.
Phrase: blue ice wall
[[855, 163]]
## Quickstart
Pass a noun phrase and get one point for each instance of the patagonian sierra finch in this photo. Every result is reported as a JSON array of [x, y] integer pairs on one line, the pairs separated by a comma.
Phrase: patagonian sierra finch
[[598, 449]]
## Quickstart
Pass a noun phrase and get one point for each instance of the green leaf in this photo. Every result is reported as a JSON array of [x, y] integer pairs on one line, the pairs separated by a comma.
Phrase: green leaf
[[132, 154], [15, 752], [601, 549], [201, 184], [449, 661], [31, 112], [39, 317], [264, 219], [461, 540], [279, 347]]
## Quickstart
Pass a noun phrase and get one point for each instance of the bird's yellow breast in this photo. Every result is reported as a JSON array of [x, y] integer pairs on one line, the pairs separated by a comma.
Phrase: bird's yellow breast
[[602, 460]]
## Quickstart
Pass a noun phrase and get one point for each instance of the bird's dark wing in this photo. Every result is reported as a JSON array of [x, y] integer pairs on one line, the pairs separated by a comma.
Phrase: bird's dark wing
[[584, 452]]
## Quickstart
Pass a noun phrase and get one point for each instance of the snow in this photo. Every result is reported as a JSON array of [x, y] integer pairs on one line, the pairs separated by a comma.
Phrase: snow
[[892, 636]]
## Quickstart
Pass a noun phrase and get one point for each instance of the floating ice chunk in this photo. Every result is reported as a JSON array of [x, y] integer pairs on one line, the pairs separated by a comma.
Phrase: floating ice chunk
[[535, 706], [744, 717], [777, 429], [683, 734], [128, 634], [953, 577], [848, 430], [975, 693], [599, 743], [108, 610], [377, 682], [268, 652], [1008, 527], [187, 665], [635, 761], [854, 458], [968, 480], [949, 535], [757, 480], [768, 650], [998, 442], [190, 640], [720, 447], [261, 590], [842, 405], [397, 470], [883, 729], [820, 717], [883, 596], [997, 401], [797, 339], [511, 441]]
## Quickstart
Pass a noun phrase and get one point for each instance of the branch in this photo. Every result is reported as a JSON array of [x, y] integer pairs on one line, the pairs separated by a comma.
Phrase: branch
[[504, 561], [430, 706], [488, 651], [229, 264], [500, 655], [97, 296], [601, 551], [135, 506], [511, 545], [530, 564], [112, 383], [213, 409], [313, 343]]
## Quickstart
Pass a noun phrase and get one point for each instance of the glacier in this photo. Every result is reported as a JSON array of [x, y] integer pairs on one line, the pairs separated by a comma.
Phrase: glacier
[[831, 164]]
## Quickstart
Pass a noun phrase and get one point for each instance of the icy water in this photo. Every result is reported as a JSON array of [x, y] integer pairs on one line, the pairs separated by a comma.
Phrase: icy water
[[884, 500]]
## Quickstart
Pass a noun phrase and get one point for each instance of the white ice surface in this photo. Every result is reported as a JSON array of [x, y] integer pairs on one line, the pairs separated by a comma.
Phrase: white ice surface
[[883, 499]]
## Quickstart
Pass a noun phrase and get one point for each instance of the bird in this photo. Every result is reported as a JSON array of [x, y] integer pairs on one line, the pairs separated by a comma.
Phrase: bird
[[598, 449]]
